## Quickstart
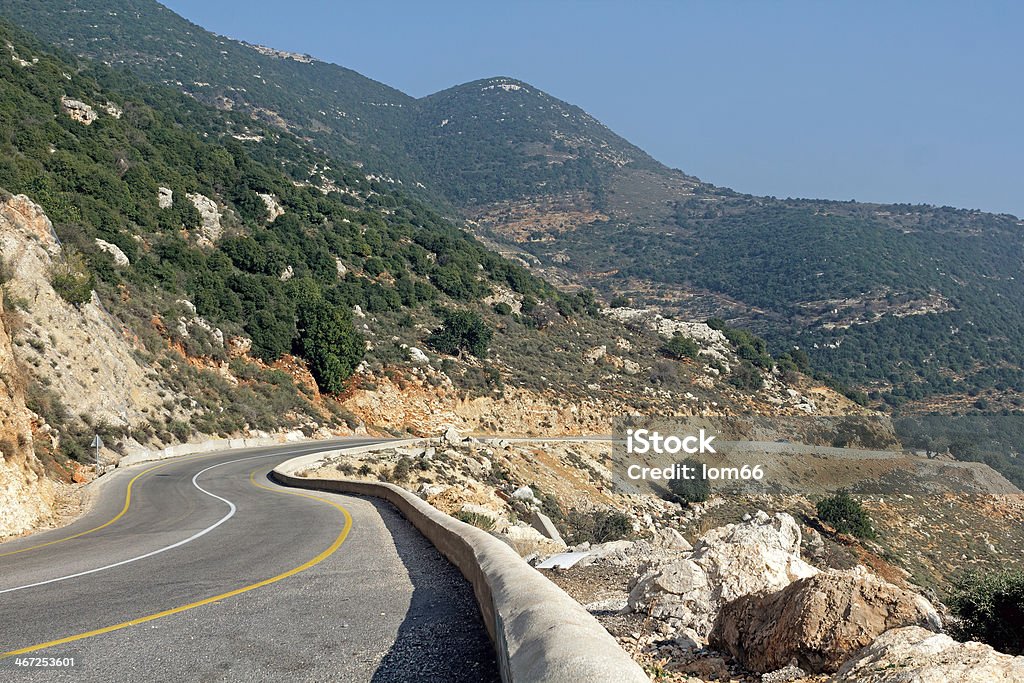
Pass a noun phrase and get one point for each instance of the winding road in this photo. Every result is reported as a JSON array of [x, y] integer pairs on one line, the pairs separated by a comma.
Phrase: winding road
[[200, 568]]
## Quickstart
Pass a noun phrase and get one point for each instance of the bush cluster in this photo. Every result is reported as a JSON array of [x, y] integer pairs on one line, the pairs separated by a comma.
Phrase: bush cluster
[[845, 514], [989, 607]]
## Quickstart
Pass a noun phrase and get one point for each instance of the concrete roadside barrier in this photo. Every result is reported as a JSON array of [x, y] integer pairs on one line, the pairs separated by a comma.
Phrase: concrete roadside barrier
[[136, 456], [539, 632]]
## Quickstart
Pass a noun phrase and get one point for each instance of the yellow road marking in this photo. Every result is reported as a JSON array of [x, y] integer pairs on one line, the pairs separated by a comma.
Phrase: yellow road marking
[[127, 503], [216, 598]]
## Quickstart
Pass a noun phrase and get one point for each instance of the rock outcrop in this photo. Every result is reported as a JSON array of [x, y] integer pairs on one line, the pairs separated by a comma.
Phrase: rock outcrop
[[77, 350], [78, 111], [26, 497], [274, 208], [120, 259], [817, 622], [761, 554], [210, 228], [916, 655], [165, 197]]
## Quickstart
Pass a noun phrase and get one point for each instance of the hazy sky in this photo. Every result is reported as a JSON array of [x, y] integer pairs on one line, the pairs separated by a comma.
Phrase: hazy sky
[[875, 101]]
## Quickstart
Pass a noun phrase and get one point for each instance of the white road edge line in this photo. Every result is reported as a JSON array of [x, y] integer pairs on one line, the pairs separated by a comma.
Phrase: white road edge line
[[231, 513]]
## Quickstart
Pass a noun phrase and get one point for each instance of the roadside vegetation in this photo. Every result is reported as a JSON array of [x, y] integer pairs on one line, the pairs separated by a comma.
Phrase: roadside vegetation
[[989, 606]]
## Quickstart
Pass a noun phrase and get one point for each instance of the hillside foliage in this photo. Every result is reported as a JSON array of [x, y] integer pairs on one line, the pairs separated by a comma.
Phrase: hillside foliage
[[289, 284]]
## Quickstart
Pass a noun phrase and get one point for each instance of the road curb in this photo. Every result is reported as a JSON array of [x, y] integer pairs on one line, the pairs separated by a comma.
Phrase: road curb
[[539, 632]]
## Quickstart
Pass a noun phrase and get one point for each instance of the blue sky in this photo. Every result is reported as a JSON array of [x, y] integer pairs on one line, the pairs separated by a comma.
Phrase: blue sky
[[874, 101]]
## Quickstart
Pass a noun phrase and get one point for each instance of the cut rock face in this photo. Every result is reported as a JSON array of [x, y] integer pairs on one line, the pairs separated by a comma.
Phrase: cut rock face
[[916, 655], [817, 622], [758, 555]]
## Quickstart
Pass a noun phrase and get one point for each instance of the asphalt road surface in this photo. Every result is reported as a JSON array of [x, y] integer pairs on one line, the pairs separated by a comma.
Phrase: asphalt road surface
[[211, 572]]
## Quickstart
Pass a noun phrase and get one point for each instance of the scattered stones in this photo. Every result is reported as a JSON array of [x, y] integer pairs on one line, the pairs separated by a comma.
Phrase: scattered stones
[[417, 355], [762, 554], [274, 208], [671, 539], [916, 655], [817, 622], [543, 524], [524, 493], [814, 545], [592, 356], [786, 674], [525, 534], [239, 346], [427, 491], [452, 437]]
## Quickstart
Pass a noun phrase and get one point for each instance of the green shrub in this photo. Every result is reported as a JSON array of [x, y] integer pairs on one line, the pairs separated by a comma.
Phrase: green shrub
[[328, 341], [181, 430], [72, 280], [502, 308], [461, 331], [680, 347], [601, 526], [476, 519], [619, 302], [845, 514], [401, 470], [989, 607], [695, 490], [746, 376]]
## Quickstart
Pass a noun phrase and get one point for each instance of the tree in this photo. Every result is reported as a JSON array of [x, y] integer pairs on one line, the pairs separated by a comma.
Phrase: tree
[[746, 376], [990, 607], [693, 490], [328, 341], [619, 301], [680, 347], [461, 331], [845, 514]]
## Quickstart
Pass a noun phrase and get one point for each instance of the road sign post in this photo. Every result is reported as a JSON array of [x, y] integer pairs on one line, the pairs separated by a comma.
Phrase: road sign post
[[97, 443]]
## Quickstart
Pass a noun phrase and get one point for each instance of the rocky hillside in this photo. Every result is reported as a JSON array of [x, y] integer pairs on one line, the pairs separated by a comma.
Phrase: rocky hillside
[[900, 302], [731, 589], [27, 493], [182, 272]]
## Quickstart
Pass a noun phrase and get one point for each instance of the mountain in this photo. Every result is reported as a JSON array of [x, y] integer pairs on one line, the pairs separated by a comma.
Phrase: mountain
[[902, 302], [351, 116], [909, 306], [500, 138], [171, 272]]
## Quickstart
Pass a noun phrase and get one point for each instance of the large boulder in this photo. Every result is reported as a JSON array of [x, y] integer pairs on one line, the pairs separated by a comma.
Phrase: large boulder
[[757, 555], [916, 655], [817, 622]]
